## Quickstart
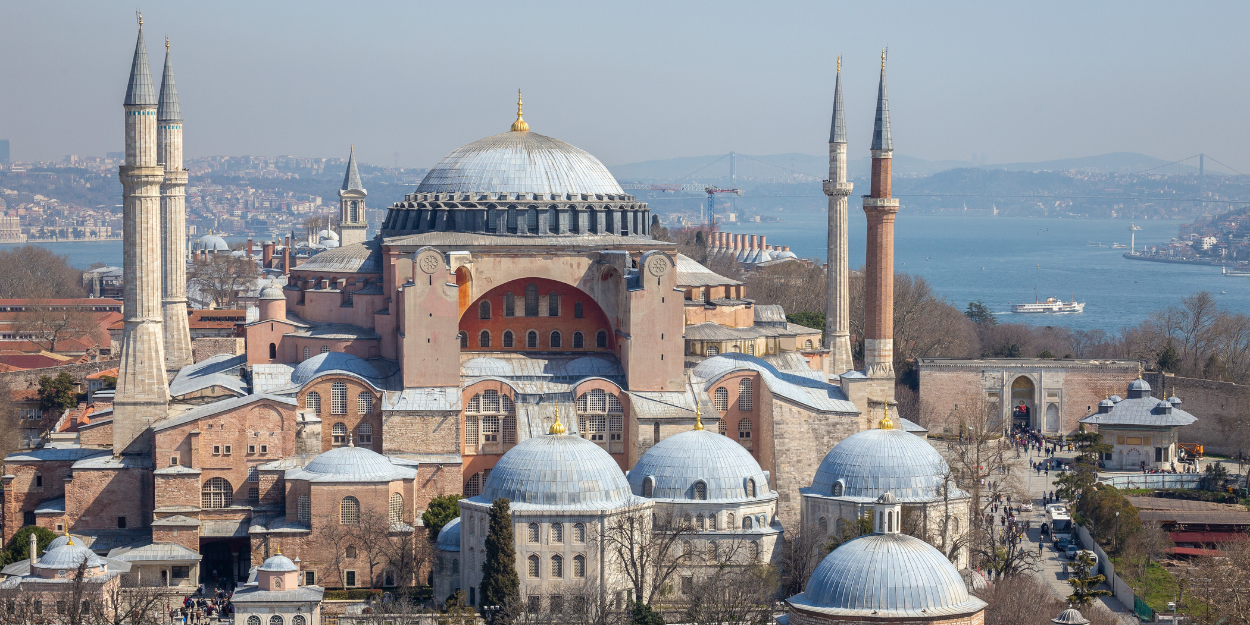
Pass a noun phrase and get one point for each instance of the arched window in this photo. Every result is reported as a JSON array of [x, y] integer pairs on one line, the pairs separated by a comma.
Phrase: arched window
[[720, 399], [729, 521], [751, 348], [531, 300], [601, 339], [755, 551], [325, 349], [837, 489], [532, 533], [648, 486], [579, 533], [712, 350], [557, 567], [578, 340], [577, 310], [273, 351], [455, 566], [720, 426], [338, 398], [750, 488], [700, 490], [824, 525], [364, 402], [483, 338], [312, 401], [364, 434], [473, 487], [349, 511], [735, 349], [509, 305], [746, 401], [299, 619], [216, 493], [807, 344], [339, 434], [304, 510], [553, 305], [532, 566], [351, 213], [276, 619], [464, 340], [744, 429], [531, 339], [557, 533], [253, 620], [507, 338], [699, 522], [579, 566], [483, 310], [397, 508], [556, 340], [747, 522], [307, 354]]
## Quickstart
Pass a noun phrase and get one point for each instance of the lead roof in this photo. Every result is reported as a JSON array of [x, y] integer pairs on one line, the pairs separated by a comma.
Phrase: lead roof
[[140, 92], [167, 110]]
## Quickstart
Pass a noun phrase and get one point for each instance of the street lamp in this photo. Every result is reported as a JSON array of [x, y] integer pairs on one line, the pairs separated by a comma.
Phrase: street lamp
[[489, 611], [1115, 535]]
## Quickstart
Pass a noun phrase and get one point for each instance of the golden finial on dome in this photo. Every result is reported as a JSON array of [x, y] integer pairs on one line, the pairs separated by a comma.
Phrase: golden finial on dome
[[277, 550], [886, 423], [557, 427], [1138, 369], [698, 415], [519, 125]]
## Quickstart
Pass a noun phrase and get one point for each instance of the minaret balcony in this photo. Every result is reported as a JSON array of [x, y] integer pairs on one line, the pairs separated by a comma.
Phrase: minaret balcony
[[837, 188]]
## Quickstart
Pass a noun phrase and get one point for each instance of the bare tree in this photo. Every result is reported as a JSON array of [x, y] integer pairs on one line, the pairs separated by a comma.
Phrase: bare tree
[[10, 420], [133, 603], [649, 548], [370, 535], [409, 554], [337, 536], [1028, 600], [731, 586], [800, 553], [32, 271], [221, 278], [47, 324]]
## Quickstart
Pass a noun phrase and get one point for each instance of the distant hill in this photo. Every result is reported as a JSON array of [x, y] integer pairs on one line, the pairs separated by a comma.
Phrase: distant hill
[[1113, 163]]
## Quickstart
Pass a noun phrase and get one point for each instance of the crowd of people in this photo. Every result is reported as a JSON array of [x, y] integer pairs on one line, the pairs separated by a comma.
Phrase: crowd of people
[[201, 608]]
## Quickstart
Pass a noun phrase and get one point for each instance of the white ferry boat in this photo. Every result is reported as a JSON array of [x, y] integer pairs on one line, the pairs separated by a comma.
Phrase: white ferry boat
[[1051, 305], [1238, 272]]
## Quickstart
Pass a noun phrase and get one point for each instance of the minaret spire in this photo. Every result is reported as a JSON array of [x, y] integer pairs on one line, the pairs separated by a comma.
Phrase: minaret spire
[[837, 289], [173, 222], [881, 139], [139, 90], [353, 225], [880, 208]]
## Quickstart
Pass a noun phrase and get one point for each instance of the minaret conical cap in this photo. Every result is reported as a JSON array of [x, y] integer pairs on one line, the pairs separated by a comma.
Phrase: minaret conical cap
[[837, 130], [167, 110], [351, 179], [881, 139], [140, 91]]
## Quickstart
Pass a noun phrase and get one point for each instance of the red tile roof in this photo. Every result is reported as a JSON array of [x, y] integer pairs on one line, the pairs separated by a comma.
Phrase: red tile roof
[[1207, 537], [99, 374], [1191, 551]]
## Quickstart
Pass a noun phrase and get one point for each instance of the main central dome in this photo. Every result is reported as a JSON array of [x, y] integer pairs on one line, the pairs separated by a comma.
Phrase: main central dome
[[520, 162]]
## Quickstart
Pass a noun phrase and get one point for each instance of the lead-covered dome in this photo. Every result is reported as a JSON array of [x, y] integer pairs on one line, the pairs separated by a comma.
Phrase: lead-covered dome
[[677, 463], [519, 162], [351, 464], [278, 563], [557, 471], [67, 557], [870, 463], [887, 575], [333, 362], [449, 536]]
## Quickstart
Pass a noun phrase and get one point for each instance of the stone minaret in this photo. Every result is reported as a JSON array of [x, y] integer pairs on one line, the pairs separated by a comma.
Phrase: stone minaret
[[352, 222], [173, 222], [142, 391], [880, 209], [837, 293]]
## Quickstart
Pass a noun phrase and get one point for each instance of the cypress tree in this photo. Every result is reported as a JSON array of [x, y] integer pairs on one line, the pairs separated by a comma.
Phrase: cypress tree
[[500, 584]]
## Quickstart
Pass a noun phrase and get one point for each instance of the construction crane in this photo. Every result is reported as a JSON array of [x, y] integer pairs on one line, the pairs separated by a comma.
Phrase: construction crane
[[711, 201]]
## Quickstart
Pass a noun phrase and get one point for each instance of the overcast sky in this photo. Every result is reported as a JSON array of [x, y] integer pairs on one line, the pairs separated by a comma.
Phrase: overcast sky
[[636, 81]]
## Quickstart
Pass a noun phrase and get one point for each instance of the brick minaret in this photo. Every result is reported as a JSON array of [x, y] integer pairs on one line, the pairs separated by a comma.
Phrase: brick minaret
[[142, 391], [880, 209], [837, 292], [352, 221], [173, 222]]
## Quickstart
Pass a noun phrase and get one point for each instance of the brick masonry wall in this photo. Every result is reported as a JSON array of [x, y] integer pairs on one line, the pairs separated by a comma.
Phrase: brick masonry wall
[[431, 432], [351, 418], [95, 499], [1222, 409], [188, 537], [30, 377], [178, 490], [801, 439], [205, 348]]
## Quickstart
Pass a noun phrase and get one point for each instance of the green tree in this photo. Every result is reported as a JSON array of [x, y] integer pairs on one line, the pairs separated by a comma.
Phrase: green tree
[[440, 512], [642, 614], [1046, 354], [500, 584], [1091, 447], [107, 382], [57, 394], [1168, 359], [1214, 476], [981, 314], [814, 320], [1084, 583], [18, 548]]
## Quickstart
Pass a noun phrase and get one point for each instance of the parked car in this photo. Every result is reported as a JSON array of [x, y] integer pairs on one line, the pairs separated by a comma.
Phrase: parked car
[[1071, 551], [1027, 506]]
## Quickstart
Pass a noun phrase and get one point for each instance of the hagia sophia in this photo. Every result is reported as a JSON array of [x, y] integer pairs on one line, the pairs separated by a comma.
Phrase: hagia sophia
[[508, 333]]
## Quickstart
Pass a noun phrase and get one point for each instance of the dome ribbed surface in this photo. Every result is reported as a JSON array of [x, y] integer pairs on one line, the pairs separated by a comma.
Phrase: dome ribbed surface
[[68, 557], [557, 470], [278, 563], [679, 461], [519, 162], [272, 292], [358, 463], [887, 572], [332, 362], [873, 462], [449, 536]]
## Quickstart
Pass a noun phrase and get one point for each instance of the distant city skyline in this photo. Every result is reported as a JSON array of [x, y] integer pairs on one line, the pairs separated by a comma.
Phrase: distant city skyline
[[981, 83]]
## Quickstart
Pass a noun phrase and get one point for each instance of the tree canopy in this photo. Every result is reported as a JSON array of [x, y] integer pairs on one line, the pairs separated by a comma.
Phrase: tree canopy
[[440, 512], [500, 584]]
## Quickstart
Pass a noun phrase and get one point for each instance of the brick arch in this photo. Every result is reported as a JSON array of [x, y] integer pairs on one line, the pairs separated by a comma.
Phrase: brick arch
[[265, 419], [593, 318]]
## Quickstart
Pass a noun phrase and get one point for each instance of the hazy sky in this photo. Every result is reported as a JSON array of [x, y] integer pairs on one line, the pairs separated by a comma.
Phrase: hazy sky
[[636, 81]]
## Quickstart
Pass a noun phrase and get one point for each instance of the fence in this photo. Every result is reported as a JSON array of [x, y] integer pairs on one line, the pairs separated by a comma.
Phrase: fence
[[1153, 480], [1122, 591]]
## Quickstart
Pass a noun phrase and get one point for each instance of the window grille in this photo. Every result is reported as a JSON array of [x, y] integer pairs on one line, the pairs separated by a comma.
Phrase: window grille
[[490, 429], [700, 491], [556, 340], [252, 475], [325, 349], [557, 533], [483, 310], [364, 434], [746, 523], [470, 431], [557, 567], [475, 404], [579, 566], [507, 338], [531, 300], [349, 511], [253, 496], [751, 349], [339, 433], [216, 493], [579, 533], [712, 350], [729, 521], [464, 340], [601, 339], [364, 402], [532, 570], [312, 401], [807, 344], [509, 305], [750, 488], [746, 401], [397, 508], [579, 341], [699, 522], [720, 426], [483, 338], [338, 398], [720, 399], [531, 339], [532, 534], [755, 551], [490, 401], [304, 510], [744, 429], [509, 430], [616, 427], [307, 353], [473, 487], [553, 305]]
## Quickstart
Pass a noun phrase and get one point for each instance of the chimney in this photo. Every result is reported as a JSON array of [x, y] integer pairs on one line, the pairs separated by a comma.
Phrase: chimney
[[737, 242], [763, 239], [34, 552], [755, 239], [266, 254], [286, 258], [785, 248], [249, 247]]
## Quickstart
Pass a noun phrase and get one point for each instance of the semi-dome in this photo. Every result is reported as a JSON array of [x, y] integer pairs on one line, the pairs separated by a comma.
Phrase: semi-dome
[[352, 464], [278, 563], [887, 575], [557, 471], [332, 362], [870, 463], [449, 536], [678, 462], [519, 162]]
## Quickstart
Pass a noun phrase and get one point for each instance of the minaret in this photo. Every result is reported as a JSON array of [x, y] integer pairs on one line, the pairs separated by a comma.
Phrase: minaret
[[352, 221], [173, 222], [880, 209], [142, 391], [837, 290]]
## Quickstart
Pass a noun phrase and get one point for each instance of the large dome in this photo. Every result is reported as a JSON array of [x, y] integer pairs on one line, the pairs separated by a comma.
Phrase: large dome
[[333, 362], [519, 162], [887, 575], [679, 461], [873, 462], [557, 470]]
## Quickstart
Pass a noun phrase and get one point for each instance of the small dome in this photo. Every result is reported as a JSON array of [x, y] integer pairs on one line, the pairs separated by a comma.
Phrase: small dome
[[873, 462], [1070, 617], [888, 573], [328, 234], [519, 162], [449, 536], [887, 499], [1115, 399], [1138, 386], [1106, 402], [679, 461], [485, 366], [212, 243], [67, 557], [332, 362], [784, 255], [271, 291], [356, 464], [1174, 400], [278, 563], [557, 470]]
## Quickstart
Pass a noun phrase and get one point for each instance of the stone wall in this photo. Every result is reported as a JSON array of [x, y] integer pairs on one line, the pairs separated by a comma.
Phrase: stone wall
[[29, 378], [800, 440], [96, 498], [206, 348], [1223, 411]]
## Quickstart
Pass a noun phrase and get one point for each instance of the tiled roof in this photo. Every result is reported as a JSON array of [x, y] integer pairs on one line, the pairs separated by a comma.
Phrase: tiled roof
[[807, 390], [155, 552], [302, 594], [691, 273], [221, 370], [712, 331], [1142, 411], [363, 258]]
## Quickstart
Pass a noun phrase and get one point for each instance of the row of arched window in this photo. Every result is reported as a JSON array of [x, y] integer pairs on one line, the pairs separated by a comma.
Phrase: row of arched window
[[555, 569], [698, 491], [746, 397], [338, 400], [490, 417], [714, 553], [555, 533], [484, 307], [276, 619], [555, 340]]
